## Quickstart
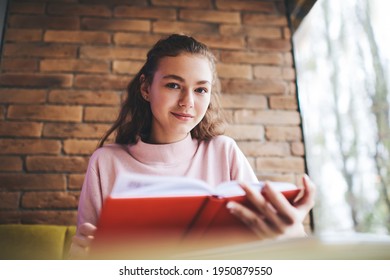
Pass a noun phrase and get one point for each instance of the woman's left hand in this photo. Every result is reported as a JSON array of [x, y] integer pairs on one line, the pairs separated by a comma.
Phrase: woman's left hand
[[275, 217]]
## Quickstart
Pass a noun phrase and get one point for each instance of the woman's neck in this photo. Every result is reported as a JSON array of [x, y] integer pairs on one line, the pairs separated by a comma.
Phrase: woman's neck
[[153, 139]]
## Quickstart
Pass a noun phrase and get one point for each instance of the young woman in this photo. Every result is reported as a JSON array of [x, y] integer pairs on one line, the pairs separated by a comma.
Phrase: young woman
[[171, 124]]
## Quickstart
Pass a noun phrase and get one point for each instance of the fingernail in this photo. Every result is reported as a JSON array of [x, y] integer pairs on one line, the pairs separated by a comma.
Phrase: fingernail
[[230, 205], [266, 186]]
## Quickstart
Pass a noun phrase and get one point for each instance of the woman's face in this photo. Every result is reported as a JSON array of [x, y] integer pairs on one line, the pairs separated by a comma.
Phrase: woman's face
[[179, 96]]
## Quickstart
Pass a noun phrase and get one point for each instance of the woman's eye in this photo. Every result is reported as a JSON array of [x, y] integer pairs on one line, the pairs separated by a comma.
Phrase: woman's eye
[[201, 90], [172, 85]]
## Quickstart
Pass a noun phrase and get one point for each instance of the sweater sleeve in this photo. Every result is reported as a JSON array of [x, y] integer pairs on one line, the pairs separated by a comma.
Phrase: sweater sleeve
[[91, 199]]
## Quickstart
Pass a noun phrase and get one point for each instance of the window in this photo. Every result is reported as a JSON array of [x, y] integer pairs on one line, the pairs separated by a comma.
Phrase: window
[[342, 54]]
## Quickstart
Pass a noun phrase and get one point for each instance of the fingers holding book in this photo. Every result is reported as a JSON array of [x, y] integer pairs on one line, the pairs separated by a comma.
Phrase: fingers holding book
[[81, 242], [256, 219], [272, 215]]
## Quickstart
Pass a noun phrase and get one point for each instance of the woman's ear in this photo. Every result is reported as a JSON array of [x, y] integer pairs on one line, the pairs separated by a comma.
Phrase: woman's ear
[[144, 88]]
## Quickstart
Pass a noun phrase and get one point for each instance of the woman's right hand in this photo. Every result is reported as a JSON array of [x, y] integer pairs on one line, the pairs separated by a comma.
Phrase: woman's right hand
[[82, 241]]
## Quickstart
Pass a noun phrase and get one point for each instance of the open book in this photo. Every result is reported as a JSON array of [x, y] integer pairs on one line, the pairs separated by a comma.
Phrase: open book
[[144, 208]]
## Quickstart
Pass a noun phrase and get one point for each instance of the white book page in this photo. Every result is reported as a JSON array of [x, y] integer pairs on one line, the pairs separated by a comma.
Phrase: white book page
[[138, 185], [233, 188]]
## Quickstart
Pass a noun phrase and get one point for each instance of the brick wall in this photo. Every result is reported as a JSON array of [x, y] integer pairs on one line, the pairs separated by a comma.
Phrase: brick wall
[[64, 68]]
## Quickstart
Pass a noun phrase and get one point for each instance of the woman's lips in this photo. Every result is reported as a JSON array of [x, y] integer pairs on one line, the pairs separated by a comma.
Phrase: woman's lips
[[183, 116]]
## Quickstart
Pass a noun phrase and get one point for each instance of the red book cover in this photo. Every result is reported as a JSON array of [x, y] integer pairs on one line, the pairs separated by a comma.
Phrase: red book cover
[[174, 210]]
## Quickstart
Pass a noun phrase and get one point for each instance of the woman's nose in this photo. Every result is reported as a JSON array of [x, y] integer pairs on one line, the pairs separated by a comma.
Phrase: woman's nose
[[186, 99]]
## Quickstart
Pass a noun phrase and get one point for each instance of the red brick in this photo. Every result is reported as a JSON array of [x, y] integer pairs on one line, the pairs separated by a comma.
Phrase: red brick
[[288, 59], [79, 10], [116, 24], [142, 12], [23, 35], [74, 65], [286, 33], [56, 163], [101, 114], [127, 67], [283, 133], [49, 217], [44, 22], [76, 130], [75, 181], [135, 39], [223, 42], [142, 3], [84, 97], [19, 65], [209, 16], [289, 73], [29, 182], [10, 217], [267, 72], [169, 27], [46, 113], [286, 164], [263, 19], [33, 50], [183, 4], [260, 44], [26, 8], [261, 149], [9, 200], [297, 149], [26, 129], [251, 57], [113, 53], [80, 147], [254, 32], [267, 117], [239, 71], [229, 115], [253, 87], [110, 82], [91, 37], [39, 200], [10, 164], [292, 89], [250, 101], [245, 5], [283, 102], [285, 177], [245, 132], [36, 80], [29, 146], [29, 96], [2, 112]]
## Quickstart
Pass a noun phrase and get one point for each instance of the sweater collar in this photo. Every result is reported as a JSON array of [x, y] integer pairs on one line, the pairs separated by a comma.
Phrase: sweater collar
[[172, 153]]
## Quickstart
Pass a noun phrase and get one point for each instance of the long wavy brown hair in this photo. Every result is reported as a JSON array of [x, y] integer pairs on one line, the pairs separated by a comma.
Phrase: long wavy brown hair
[[135, 117]]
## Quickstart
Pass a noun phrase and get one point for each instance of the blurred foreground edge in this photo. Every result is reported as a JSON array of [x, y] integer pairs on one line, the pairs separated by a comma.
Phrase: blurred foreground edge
[[354, 246]]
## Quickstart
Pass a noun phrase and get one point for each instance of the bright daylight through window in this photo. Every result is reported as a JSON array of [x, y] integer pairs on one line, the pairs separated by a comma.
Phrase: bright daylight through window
[[342, 53]]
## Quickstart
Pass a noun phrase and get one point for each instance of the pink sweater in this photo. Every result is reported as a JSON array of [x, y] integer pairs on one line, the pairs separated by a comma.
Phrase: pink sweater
[[214, 161]]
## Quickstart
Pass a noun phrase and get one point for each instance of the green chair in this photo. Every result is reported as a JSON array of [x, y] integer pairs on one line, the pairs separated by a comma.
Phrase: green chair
[[35, 242]]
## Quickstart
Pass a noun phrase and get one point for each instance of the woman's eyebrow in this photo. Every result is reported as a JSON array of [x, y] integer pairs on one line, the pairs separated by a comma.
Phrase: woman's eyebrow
[[176, 77]]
